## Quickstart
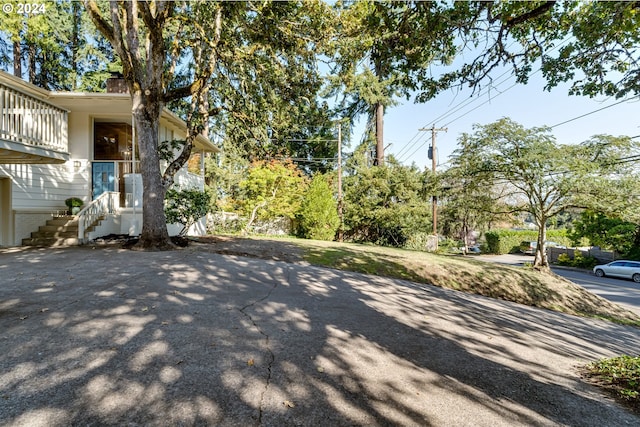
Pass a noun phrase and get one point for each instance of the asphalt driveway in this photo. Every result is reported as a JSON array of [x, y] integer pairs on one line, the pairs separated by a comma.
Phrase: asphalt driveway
[[115, 337]]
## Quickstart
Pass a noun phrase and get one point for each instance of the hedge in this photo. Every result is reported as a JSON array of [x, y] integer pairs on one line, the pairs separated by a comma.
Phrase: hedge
[[508, 241]]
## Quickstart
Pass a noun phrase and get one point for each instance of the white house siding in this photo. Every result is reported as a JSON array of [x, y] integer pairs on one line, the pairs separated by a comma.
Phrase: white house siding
[[80, 135], [39, 187], [188, 181], [166, 134], [37, 192]]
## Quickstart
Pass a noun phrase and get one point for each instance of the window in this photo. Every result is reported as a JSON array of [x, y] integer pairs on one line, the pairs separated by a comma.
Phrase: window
[[112, 141]]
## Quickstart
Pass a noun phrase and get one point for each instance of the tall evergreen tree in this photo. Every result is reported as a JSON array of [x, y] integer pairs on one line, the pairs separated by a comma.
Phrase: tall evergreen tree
[[58, 46], [386, 50]]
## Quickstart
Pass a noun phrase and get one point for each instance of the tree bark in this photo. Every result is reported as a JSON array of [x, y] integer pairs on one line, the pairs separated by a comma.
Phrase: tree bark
[[17, 59], [146, 116], [379, 114], [541, 260], [31, 51]]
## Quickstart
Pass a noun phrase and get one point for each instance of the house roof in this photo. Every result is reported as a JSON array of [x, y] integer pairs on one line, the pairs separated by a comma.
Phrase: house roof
[[119, 104], [98, 103]]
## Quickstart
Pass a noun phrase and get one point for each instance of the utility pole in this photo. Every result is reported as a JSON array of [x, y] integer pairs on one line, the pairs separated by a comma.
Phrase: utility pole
[[340, 201], [434, 163]]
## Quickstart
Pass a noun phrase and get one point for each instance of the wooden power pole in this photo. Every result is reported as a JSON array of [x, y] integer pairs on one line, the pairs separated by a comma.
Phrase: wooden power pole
[[434, 163], [340, 200]]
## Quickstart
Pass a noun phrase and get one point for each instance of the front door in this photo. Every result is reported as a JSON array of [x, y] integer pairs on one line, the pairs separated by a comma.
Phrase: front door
[[104, 178]]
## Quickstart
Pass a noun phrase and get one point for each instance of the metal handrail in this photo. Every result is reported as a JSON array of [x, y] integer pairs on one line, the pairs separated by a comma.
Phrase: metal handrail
[[107, 203]]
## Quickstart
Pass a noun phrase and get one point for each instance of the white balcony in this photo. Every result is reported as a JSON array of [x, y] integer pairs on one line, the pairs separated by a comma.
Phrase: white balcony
[[31, 129]]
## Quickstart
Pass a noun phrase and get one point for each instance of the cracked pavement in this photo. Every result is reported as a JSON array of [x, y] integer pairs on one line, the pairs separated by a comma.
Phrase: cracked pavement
[[113, 337]]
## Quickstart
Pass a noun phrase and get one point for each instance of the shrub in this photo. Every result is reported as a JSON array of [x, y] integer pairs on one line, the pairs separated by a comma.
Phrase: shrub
[[508, 241], [578, 261], [318, 216], [619, 374], [74, 204], [564, 259], [417, 241], [581, 261], [186, 207]]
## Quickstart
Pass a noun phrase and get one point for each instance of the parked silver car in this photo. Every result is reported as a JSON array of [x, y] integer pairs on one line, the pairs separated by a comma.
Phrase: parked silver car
[[620, 268]]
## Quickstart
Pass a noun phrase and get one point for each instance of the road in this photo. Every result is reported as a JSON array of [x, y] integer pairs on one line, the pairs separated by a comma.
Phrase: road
[[105, 336], [620, 291], [623, 292]]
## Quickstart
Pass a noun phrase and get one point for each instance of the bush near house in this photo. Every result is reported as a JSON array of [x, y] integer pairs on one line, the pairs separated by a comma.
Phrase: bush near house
[[74, 202], [186, 207], [508, 241]]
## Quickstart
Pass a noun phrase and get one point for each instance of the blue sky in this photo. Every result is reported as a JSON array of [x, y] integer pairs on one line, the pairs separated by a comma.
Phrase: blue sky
[[529, 105]]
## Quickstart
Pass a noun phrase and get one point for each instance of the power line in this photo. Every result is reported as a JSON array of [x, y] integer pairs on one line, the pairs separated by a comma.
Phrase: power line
[[594, 111], [457, 107], [470, 101]]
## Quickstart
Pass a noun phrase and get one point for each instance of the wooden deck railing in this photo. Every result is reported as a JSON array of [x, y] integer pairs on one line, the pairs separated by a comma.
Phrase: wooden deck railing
[[30, 121]]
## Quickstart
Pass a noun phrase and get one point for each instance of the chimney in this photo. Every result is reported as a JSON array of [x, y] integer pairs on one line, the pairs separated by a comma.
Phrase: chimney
[[116, 83]]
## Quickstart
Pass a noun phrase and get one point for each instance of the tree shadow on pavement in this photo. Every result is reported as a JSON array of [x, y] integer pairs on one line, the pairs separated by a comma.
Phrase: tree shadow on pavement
[[111, 337]]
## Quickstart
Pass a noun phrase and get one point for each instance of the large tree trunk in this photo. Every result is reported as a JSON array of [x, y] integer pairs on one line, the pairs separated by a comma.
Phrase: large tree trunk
[[17, 59], [143, 70], [146, 116], [379, 114], [31, 50]]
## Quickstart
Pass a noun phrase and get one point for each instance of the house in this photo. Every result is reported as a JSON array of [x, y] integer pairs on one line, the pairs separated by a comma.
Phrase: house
[[57, 145]]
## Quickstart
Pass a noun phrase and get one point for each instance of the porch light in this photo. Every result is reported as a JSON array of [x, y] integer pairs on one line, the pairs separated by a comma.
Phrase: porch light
[[77, 164]]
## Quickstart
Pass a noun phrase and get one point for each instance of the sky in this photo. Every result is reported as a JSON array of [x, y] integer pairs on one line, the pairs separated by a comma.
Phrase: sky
[[529, 105]]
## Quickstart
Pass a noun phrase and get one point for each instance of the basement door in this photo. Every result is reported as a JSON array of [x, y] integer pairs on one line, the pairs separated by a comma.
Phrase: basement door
[[103, 177], [5, 212]]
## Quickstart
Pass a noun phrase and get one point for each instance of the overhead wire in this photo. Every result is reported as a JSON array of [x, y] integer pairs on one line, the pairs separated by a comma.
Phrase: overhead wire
[[595, 111], [463, 104]]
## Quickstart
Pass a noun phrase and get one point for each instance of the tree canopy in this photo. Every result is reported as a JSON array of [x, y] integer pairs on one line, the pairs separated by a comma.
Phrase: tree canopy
[[593, 45], [542, 177], [386, 50], [55, 46], [248, 66]]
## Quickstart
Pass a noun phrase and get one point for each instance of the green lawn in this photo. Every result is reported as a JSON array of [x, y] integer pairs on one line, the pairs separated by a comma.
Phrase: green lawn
[[518, 284]]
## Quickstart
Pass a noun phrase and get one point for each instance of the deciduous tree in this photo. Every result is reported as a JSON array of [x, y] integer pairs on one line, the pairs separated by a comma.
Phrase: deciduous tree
[[544, 177], [594, 45], [247, 64], [271, 189]]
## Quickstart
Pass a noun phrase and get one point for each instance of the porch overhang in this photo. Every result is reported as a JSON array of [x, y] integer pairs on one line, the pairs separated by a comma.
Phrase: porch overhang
[[15, 152]]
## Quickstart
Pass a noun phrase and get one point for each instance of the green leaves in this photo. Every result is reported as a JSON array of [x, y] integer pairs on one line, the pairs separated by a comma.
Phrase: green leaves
[[56, 48], [384, 50], [619, 374], [186, 207], [386, 205], [318, 216], [594, 45], [270, 190], [541, 177]]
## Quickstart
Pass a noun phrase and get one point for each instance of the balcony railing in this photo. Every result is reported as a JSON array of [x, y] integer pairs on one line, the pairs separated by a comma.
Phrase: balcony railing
[[30, 121]]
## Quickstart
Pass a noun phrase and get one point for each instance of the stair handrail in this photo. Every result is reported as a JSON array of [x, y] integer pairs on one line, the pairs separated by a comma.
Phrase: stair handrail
[[107, 203]]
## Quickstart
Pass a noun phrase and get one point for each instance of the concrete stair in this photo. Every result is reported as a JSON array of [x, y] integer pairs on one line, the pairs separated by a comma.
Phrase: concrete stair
[[59, 231]]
